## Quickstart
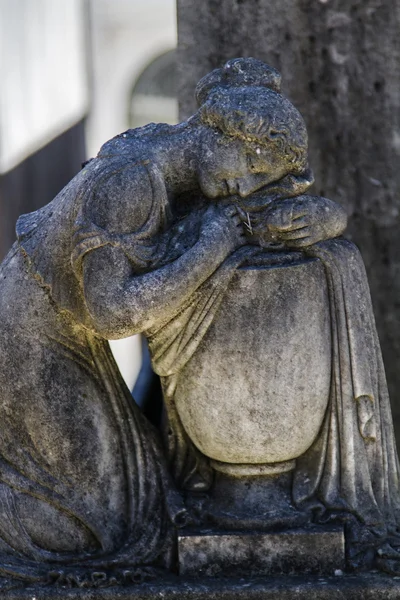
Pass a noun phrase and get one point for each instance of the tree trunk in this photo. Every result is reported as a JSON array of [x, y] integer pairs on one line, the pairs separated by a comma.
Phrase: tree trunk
[[340, 62]]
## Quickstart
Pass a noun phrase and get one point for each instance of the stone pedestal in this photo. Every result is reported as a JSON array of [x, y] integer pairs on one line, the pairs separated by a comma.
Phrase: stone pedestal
[[312, 550], [367, 587]]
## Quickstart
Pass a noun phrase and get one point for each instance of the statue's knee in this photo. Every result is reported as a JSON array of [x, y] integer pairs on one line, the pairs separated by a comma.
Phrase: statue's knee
[[50, 528]]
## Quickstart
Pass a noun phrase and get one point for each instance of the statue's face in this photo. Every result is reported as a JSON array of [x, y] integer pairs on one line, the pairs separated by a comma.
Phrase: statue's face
[[229, 166]]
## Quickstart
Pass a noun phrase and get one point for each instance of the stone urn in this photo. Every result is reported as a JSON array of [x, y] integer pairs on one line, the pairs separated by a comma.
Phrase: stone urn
[[254, 396]]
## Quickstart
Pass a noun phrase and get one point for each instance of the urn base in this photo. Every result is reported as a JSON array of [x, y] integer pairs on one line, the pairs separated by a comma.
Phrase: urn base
[[249, 470], [249, 502]]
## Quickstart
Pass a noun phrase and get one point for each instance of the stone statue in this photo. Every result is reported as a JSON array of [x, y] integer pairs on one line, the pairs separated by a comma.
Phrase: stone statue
[[201, 236]]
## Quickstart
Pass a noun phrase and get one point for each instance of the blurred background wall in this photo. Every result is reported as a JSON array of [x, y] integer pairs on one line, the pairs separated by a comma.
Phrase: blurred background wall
[[132, 66], [44, 98], [74, 73]]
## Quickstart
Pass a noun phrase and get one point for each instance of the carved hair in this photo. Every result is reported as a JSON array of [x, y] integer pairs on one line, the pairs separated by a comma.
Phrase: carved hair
[[242, 100], [239, 72]]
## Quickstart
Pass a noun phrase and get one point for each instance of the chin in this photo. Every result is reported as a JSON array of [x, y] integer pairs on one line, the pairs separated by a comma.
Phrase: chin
[[210, 190]]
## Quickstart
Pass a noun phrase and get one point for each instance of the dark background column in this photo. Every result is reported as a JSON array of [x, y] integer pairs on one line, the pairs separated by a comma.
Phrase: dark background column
[[340, 61], [38, 179]]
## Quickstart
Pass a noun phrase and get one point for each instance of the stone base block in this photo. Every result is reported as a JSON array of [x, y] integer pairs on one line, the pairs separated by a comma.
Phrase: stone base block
[[302, 551], [347, 587]]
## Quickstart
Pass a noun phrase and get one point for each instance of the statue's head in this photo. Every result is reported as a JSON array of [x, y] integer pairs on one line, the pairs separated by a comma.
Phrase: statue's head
[[256, 136]]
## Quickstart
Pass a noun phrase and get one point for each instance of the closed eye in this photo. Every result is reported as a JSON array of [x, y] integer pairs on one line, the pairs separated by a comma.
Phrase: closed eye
[[251, 165]]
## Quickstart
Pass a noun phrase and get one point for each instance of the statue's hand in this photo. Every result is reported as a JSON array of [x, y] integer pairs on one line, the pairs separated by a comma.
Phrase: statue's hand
[[222, 226], [302, 221]]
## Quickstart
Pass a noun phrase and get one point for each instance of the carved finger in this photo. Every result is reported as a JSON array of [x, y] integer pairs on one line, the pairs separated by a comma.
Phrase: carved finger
[[296, 225], [303, 243], [277, 225], [297, 234], [286, 214], [282, 218], [285, 218], [300, 211], [277, 219], [236, 219], [230, 210], [300, 222], [242, 213], [285, 227]]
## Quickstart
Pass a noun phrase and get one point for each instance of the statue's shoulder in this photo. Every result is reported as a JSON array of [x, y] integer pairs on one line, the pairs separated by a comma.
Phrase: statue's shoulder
[[121, 193], [133, 142], [124, 180]]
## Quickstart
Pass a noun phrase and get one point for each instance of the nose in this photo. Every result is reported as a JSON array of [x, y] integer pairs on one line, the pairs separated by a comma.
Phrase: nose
[[233, 186], [247, 185]]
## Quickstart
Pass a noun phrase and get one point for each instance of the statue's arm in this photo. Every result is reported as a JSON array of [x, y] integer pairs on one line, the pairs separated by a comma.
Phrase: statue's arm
[[123, 303]]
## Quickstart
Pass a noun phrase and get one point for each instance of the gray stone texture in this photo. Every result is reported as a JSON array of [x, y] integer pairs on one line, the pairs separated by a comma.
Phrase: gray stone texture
[[201, 236], [364, 587], [302, 551], [340, 62]]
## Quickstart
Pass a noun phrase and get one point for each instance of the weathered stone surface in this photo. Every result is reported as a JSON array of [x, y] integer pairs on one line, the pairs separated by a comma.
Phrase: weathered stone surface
[[185, 233], [362, 587], [303, 551]]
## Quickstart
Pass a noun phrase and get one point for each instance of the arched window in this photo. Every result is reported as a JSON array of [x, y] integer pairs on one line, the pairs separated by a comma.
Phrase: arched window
[[154, 94]]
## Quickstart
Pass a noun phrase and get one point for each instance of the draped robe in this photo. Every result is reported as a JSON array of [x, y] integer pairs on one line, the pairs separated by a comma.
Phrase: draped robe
[[83, 477]]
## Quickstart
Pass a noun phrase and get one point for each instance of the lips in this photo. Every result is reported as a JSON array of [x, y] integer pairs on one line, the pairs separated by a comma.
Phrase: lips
[[232, 188]]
